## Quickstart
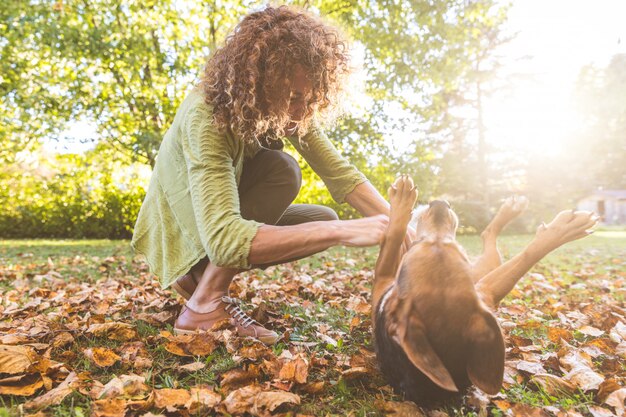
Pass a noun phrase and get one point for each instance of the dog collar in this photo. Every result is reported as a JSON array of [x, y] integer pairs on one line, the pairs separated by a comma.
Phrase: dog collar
[[383, 300]]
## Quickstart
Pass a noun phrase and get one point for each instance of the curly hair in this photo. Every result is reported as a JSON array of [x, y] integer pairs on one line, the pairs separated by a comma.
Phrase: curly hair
[[246, 81]]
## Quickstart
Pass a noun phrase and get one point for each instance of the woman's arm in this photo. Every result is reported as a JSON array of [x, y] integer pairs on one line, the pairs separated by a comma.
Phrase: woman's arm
[[366, 199], [280, 243]]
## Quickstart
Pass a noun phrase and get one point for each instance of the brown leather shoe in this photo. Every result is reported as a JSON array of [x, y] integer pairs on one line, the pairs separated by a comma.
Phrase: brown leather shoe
[[185, 285], [190, 321]]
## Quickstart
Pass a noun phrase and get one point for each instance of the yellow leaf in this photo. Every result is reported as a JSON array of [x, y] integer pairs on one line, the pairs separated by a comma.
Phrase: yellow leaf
[[54, 396], [23, 385], [114, 331], [16, 359], [102, 357], [167, 397]]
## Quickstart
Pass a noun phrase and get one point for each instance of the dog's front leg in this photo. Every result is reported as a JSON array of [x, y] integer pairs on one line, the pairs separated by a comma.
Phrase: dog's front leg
[[566, 226], [490, 259], [402, 197]]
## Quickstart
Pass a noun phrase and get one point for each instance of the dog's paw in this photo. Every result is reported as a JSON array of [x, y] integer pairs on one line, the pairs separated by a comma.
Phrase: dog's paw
[[511, 208], [567, 226], [402, 198]]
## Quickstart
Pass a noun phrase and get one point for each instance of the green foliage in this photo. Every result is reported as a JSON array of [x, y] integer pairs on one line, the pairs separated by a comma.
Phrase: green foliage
[[69, 196], [126, 67]]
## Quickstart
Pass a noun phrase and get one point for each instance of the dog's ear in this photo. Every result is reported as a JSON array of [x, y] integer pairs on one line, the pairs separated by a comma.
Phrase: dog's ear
[[413, 340], [485, 365]]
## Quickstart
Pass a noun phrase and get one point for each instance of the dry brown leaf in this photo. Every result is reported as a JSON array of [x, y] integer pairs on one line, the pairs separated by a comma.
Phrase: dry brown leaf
[[110, 407], [102, 357], [555, 334], [569, 413], [591, 331], [355, 373], [313, 387], [174, 398], [268, 401], [296, 370], [502, 404], [16, 359], [192, 367], [54, 396], [241, 400], [616, 400], [22, 385], [255, 351], [199, 344], [62, 339], [400, 409], [523, 410], [114, 331], [608, 386], [238, 377], [584, 378], [600, 411], [553, 384], [131, 387], [531, 367], [202, 399]]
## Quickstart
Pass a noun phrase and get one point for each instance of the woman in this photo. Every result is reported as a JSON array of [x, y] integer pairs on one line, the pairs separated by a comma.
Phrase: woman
[[219, 201]]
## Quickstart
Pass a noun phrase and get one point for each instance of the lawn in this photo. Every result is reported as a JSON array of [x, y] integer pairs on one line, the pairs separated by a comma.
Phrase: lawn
[[86, 330]]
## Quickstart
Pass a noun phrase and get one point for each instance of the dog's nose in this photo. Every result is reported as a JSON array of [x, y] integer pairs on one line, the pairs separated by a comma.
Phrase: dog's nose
[[439, 210], [439, 203]]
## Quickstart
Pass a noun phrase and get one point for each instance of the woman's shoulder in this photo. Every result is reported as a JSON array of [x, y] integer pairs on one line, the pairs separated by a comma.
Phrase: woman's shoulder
[[195, 103]]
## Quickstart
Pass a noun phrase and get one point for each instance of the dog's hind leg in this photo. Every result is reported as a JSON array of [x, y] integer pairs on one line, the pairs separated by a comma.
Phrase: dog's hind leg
[[490, 257], [566, 226], [402, 197]]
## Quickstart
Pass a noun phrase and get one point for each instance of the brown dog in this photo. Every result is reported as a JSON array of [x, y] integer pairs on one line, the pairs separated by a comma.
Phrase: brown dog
[[434, 330]]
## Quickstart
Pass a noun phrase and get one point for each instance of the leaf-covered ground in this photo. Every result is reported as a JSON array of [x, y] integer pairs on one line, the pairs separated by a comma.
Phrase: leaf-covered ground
[[86, 330]]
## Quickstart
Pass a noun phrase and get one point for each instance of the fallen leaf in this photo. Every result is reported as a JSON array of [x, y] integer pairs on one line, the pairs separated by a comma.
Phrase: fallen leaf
[[54, 396], [524, 410], [400, 409], [22, 385], [296, 370], [531, 367], [591, 331], [270, 400], [600, 411], [201, 400], [584, 378], [616, 400], [170, 398], [241, 400], [313, 388], [355, 373], [114, 331], [238, 377], [192, 367], [102, 357], [553, 384], [110, 407], [131, 387], [16, 359]]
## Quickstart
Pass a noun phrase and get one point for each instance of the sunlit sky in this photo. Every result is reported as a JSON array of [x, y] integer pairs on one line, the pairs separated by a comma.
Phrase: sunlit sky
[[557, 38], [553, 40]]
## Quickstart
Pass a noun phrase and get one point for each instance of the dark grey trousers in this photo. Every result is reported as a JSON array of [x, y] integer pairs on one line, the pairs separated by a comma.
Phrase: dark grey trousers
[[269, 183]]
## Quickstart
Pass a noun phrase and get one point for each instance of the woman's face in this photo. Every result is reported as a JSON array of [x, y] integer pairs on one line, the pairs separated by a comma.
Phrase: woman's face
[[301, 89]]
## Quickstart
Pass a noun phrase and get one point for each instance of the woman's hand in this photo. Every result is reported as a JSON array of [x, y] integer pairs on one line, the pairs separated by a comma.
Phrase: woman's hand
[[367, 231]]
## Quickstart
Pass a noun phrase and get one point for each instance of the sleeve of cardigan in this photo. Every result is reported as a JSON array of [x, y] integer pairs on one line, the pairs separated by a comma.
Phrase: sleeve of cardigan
[[337, 173], [225, 235]]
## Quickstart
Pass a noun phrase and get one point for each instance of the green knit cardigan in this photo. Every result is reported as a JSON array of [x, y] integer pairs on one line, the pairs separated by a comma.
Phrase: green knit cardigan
[[191, 208]]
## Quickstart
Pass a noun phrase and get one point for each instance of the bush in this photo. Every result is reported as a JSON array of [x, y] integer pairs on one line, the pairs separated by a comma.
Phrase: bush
[[70, 196]]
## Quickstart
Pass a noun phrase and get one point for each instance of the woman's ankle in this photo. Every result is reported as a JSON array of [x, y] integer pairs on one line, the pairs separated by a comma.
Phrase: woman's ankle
[[207, 302]]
